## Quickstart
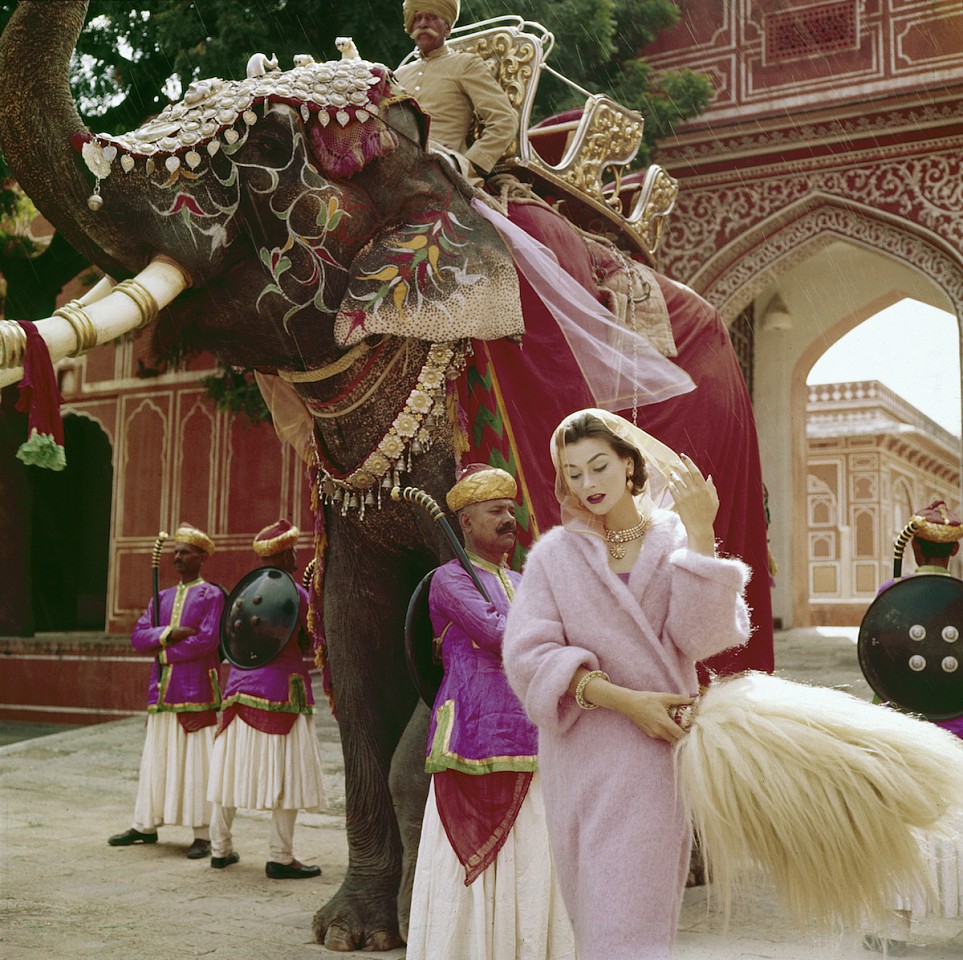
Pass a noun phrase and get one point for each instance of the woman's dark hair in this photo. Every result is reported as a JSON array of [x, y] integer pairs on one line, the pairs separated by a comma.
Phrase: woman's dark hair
[[587, 426]]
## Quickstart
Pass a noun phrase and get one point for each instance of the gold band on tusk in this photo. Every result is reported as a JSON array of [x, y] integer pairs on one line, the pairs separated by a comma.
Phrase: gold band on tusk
[[82, 326], [142, 297], [13, 344]]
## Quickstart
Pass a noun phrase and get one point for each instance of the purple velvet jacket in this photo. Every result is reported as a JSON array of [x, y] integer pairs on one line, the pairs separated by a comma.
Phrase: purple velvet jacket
[[478, 725], [188, 681], [283, 685]]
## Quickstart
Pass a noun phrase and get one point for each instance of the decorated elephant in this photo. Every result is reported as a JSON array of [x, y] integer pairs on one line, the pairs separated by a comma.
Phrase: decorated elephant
[[325, 248]]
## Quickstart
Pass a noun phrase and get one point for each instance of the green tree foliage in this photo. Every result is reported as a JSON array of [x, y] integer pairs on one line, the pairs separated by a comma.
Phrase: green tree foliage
[[134, 55]]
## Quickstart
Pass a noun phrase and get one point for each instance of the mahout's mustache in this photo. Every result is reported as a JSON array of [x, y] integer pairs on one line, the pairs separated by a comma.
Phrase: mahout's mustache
[[418, 31]]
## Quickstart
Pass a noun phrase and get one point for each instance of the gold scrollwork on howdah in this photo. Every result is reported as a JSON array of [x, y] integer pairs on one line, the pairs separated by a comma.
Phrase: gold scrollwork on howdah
[[602, 145], [610, 138], [515, 59], [653, 206]]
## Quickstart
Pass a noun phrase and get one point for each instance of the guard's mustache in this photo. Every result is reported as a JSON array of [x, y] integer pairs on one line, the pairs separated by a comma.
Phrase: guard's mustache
[[507, 527]]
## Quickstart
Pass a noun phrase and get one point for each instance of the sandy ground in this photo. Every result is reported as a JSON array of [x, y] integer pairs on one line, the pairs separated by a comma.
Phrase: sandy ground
[[66, 894]]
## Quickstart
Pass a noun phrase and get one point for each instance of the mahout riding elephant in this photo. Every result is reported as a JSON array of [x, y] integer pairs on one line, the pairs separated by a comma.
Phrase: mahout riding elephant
[[326, 249]]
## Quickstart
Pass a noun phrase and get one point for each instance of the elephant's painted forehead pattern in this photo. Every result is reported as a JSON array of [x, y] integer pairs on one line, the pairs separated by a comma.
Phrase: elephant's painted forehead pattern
[[335, 92]]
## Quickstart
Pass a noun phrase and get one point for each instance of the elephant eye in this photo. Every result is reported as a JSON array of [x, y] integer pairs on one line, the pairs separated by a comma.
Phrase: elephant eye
[[273, 149]]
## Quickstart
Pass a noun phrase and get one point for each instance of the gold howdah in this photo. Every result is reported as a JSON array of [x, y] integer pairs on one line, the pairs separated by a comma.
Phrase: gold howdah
[[600, 145]]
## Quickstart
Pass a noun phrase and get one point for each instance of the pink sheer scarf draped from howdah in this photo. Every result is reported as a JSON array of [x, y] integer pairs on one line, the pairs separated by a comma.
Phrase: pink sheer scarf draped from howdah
[[621, 368]]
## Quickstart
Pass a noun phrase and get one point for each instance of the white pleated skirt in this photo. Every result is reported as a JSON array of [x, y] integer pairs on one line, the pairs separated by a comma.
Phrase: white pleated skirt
[[254, 770], [174, 771], [513, 910], [945, 859]]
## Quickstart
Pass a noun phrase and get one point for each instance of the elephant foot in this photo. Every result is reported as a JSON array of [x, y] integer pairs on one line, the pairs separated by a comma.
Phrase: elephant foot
[[352, 922]]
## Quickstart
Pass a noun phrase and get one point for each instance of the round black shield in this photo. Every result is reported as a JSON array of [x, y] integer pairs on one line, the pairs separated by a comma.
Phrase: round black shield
[[425, 671], [260, 616], [911, 645]]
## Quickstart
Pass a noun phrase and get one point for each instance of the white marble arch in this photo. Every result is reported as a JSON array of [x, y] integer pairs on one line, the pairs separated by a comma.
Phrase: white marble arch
[[833, 263]]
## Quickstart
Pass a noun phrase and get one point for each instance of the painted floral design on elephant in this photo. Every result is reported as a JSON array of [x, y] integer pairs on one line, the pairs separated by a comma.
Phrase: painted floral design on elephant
[[419, 256], [299, 261]]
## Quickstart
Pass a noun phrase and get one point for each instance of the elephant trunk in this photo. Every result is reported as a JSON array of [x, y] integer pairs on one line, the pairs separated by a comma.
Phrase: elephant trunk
[[38, 117]]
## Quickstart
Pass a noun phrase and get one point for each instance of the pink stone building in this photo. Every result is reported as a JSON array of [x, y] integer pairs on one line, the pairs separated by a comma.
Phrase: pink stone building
[[872, 459]]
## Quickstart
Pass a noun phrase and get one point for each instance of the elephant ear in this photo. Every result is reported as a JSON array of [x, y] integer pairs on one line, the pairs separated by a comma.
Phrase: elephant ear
[[438, 277]]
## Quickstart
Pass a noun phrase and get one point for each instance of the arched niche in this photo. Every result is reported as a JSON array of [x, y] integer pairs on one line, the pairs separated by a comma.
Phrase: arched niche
[[70, 532]]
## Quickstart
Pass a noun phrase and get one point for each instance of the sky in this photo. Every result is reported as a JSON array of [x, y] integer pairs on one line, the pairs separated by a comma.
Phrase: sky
[[923, 367]]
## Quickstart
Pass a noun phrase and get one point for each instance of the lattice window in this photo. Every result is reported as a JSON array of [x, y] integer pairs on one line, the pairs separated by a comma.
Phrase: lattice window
[[742, 333], [811, 31]]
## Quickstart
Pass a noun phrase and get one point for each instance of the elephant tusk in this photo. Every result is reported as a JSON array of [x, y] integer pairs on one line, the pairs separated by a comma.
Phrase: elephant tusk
[[103, 314]]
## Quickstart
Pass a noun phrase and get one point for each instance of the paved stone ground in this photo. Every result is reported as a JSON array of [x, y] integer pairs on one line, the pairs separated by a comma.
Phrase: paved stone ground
[[66, 895]]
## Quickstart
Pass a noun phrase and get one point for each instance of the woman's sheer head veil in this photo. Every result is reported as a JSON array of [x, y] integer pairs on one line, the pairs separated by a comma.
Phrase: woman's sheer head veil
[[660, 462]]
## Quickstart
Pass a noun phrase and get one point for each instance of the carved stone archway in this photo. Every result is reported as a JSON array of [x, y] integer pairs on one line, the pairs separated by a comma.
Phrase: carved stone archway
[[736, 275]]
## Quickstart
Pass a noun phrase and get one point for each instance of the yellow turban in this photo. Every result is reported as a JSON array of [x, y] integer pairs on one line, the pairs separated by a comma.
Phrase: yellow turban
[[479, 483], [196, 538], [448, 10]]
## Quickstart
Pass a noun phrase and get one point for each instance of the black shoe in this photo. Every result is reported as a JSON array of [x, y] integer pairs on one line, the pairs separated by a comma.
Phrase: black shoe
[[199, 849], [131, 836], [290, 871], [219, 863]]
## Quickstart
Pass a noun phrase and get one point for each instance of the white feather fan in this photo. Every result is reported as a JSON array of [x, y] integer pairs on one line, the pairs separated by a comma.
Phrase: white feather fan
[[826, 793]]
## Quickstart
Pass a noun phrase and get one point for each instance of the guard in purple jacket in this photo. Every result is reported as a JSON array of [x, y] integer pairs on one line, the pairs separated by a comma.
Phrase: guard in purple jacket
[[484, 882], [266, 753], [182, 700], [936, 532]]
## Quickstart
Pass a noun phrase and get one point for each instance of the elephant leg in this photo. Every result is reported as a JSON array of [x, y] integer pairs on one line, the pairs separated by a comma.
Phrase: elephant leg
[[365, 602], [409, 791]]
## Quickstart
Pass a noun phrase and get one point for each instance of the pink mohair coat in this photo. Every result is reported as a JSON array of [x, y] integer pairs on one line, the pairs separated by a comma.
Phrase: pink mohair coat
[[619, 834]]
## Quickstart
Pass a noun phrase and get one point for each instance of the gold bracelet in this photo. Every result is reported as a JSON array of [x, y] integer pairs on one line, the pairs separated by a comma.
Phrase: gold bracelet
[[581, 685]]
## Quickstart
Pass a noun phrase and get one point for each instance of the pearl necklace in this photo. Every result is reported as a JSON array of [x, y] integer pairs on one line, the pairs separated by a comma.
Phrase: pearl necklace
[[616, 538]]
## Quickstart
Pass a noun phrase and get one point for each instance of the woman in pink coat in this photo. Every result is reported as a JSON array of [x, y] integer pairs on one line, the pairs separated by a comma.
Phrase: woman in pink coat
[[615, 608]]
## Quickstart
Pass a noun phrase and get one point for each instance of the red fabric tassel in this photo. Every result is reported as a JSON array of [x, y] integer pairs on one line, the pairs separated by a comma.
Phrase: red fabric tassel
[[40, 399]]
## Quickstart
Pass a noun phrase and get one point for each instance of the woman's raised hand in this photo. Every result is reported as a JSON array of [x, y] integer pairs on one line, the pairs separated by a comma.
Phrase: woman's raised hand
[[697, 503]]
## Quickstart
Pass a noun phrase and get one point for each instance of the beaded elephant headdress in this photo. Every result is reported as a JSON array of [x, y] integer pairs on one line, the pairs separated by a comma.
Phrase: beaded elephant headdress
[[338, 100]]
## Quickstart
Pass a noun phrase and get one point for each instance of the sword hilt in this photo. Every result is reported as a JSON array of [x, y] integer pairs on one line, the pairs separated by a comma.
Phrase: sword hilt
[[155, 554], [906, 534], [308, 574], [422, 498]]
